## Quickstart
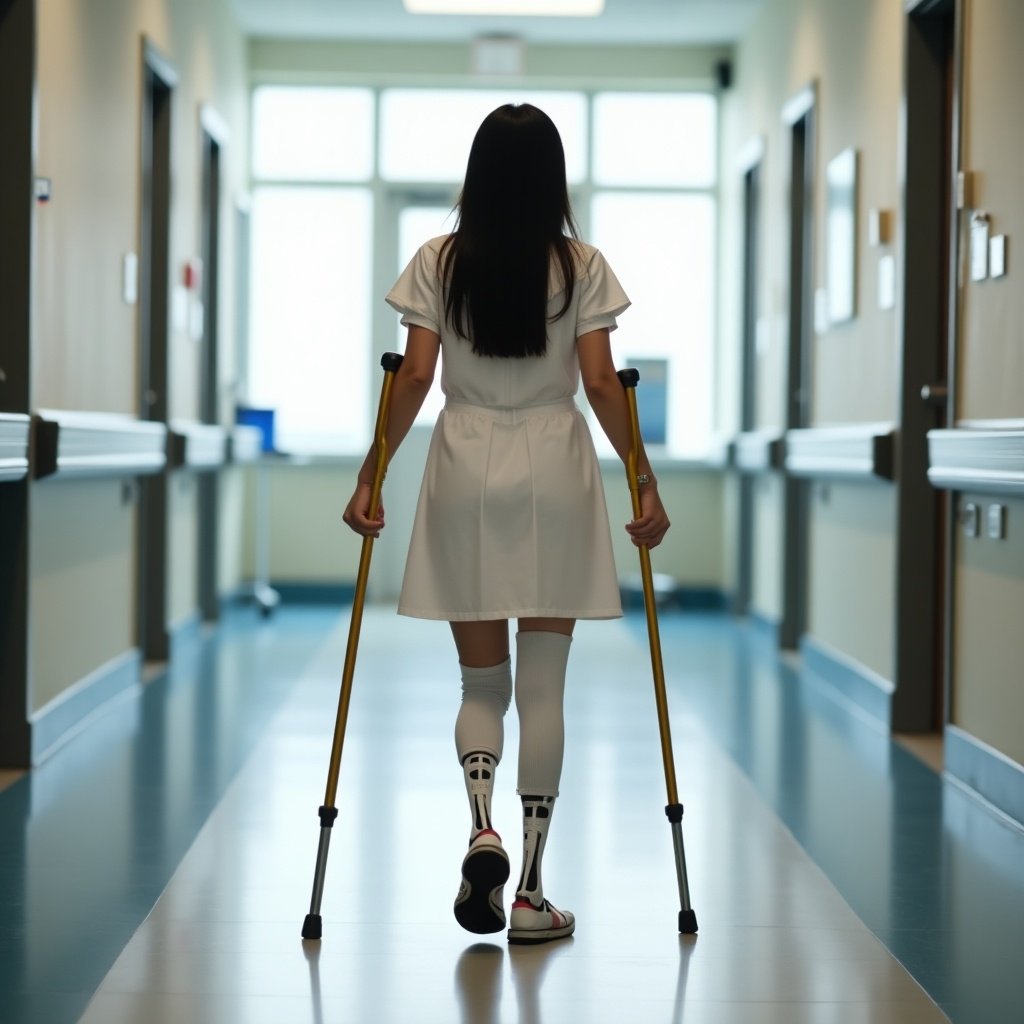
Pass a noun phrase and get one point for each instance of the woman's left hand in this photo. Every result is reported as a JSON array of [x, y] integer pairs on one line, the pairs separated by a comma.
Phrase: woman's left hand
[[357, 513], [653, 523]]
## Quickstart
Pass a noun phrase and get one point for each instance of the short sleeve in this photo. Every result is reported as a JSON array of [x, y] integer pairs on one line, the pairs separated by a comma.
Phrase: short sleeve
[[601, 298], [417, 293]]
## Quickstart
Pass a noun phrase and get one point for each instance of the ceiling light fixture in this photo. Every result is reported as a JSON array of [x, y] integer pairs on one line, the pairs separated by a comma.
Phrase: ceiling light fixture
[[559, 8]]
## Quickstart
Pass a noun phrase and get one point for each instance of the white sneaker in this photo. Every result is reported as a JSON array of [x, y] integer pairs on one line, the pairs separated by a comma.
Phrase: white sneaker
[[531, 925], [479, 906]]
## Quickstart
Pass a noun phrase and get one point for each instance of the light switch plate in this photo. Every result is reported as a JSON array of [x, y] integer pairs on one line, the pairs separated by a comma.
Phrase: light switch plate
[[887, 282], [996, 521], [997, 256], [979, 246], [970, 519]]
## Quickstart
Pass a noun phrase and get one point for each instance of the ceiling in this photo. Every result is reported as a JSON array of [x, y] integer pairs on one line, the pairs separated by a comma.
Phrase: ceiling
[[628, 22]]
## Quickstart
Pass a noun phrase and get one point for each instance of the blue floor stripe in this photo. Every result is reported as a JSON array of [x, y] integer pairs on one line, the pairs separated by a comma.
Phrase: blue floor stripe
[[89, 840], [91, 837], [930, 869]]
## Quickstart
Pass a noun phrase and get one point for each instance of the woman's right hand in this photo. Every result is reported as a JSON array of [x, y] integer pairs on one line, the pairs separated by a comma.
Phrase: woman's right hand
[[653, 524], [357, 513]]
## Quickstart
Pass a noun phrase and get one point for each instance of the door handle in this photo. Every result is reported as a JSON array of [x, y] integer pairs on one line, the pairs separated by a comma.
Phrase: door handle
[[935, 394]]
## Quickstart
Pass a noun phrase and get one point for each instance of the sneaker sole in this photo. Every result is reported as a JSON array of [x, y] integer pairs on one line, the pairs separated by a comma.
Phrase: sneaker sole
[[483, 871], [531, 937]]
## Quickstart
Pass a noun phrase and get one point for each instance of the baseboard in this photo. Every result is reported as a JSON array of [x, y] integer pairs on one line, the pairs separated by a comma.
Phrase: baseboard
[[59, 720], [764, 625], [990, 773], [301, 592], [184, 635], [856, 682], [670, 594]]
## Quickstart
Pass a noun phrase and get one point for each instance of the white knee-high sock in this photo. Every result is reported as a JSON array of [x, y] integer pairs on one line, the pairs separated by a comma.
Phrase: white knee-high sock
[[480, 735], [537, 811], [541, 660]]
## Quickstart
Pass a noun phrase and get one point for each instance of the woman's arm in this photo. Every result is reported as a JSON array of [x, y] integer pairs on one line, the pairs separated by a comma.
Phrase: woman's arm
[[409, 389], [607, 398]]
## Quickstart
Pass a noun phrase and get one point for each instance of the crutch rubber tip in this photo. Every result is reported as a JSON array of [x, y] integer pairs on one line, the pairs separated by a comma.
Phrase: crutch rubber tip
[[312, 927], [391, 361], [687, 922]]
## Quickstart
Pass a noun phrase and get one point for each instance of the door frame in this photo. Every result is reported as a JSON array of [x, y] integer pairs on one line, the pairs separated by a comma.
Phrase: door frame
[[929, 244], [159, 79], [18, 119], [213, 138], [799, 114], [750, 166]]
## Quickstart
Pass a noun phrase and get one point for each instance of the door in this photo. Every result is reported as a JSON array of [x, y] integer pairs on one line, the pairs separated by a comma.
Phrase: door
[[928, 329], [751, 167], [17, 131], [158, 79], [799, 114], [209, 364]]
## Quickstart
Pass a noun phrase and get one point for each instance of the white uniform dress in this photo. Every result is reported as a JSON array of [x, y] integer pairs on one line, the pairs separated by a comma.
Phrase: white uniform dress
[[511, 519]]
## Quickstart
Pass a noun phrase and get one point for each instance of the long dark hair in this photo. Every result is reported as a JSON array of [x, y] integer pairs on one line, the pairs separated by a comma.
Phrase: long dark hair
[[513, 219]]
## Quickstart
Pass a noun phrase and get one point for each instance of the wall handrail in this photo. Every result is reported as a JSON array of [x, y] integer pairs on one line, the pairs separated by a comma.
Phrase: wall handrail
[[15, 430], [71, 443], [196, 446], [856, 451], [759, 451], [977, 459], [245, 444]]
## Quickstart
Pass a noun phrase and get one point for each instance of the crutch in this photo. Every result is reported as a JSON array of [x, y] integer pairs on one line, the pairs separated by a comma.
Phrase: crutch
[[674, 810], [312, 927]]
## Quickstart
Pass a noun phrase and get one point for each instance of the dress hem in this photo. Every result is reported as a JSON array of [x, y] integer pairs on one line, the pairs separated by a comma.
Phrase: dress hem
[[517, 613]]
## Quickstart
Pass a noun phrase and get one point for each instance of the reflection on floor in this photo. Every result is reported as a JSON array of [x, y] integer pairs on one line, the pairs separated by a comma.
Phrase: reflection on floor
[[158, 868]]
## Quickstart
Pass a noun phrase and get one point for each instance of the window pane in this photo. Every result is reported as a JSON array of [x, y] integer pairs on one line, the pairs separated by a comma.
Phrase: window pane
[[417, 224], [312, 134], [662, 248], [425, 134], [310, 314], [654, 139]]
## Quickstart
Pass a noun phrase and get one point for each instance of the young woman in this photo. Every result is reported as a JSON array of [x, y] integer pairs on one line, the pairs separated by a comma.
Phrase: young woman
[[511, 521]]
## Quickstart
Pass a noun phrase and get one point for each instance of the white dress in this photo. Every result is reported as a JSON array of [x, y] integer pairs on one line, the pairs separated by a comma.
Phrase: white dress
[[511, 519]]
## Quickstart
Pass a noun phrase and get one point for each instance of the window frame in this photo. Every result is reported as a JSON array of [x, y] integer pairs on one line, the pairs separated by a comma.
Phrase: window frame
[[386, 193]]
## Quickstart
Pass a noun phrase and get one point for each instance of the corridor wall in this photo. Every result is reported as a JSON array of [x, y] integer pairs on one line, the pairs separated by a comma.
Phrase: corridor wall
[[85, 347]]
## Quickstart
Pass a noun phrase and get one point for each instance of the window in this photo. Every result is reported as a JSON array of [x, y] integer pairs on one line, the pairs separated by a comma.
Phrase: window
[[310, 320], [348, 182], [662, 247], [306, 134], [426, 133]]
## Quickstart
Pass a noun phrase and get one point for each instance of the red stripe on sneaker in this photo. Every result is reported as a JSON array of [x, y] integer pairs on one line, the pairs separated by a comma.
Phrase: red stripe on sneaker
[[556, 918], [523, 905], [487, 832]]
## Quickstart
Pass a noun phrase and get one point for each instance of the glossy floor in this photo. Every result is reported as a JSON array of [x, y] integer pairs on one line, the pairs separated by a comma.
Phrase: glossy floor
[[159, 867]]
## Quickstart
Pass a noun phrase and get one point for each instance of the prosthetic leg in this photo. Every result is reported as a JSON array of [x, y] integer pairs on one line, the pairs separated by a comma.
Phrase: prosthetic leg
[[313, 925], [674, 810]]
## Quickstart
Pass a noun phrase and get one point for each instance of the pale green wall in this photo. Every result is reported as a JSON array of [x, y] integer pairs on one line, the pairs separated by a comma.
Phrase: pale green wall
[[393, 63], [80, 601], [988, 695], [792, 44], [307, 501], [988, 688], [84, 335], [851, 560], [310, 543], [991, 378]]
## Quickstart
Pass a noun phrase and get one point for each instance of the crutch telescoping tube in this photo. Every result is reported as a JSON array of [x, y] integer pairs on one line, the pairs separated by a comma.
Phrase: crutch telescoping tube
[[674, 810], [312, 927]]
